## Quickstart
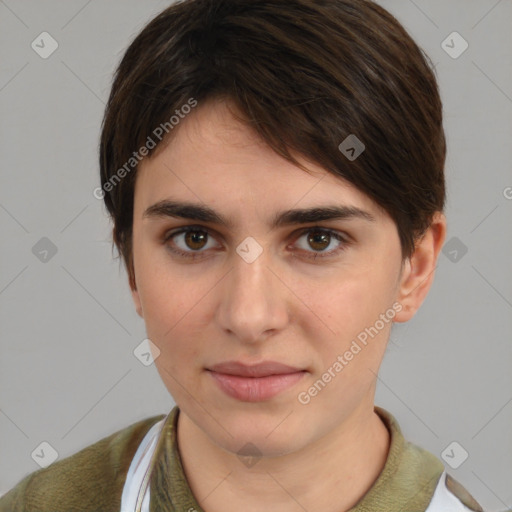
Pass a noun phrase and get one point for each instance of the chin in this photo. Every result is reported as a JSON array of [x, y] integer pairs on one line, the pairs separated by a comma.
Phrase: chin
[[267, 432]]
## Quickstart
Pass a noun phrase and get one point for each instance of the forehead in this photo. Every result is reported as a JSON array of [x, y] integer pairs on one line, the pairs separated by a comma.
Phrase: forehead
[[214, 158]]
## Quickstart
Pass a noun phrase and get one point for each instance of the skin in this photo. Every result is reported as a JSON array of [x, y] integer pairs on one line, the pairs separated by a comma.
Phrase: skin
[[285, 306]]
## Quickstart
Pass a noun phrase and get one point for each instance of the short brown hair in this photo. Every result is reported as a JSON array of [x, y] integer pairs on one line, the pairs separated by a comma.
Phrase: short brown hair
[[304, 74]]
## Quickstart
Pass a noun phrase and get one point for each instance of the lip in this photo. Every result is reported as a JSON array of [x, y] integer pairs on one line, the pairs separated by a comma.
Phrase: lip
[[255, 383], [263, 369]]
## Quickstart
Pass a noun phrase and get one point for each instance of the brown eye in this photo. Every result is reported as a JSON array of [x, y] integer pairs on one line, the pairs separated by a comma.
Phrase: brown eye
[[321, 243], [196, 239], [190, 242], [319, 240]]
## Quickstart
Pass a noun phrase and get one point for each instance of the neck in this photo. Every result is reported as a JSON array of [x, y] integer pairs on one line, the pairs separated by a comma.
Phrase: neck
[[332, 474]]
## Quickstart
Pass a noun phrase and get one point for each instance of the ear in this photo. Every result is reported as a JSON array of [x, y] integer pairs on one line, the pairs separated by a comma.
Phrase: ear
[[136, 299], [131, 279], [133, 288], [418, 270]]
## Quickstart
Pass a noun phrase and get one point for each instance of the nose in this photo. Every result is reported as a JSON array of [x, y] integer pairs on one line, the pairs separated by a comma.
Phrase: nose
[[253, 301]]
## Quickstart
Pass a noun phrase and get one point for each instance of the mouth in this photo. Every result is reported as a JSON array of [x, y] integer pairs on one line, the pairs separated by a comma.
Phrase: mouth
[[255, 383]]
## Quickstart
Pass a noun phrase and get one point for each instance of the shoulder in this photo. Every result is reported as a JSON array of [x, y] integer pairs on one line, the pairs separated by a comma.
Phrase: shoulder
[[420, 478], [448, 494], [451, 495], [91, 479]]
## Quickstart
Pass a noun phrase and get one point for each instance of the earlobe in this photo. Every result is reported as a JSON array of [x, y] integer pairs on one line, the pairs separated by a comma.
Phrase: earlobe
[[418, 272], [135, 295], [136, 301]]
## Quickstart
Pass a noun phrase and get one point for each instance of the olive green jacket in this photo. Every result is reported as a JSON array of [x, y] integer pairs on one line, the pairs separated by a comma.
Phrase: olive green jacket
[[92, 479]]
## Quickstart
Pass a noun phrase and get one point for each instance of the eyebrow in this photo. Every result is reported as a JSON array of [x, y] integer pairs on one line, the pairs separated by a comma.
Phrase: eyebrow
[[198, 212]]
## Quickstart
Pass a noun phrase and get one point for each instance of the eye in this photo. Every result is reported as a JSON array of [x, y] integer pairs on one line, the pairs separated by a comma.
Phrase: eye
[[194, 242], [320, 239], [190, 241]]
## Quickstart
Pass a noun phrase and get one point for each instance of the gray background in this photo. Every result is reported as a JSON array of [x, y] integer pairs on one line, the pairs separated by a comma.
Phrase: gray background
[[68, 374]]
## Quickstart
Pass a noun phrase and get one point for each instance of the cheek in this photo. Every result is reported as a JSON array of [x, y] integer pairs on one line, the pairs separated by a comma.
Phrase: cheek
[[173, 306], [171, 315], [163, 295], [348, 308], [170, 309], [353, 301]]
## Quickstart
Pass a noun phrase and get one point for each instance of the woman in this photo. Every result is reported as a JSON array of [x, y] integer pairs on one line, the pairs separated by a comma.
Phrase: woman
[[274, 170]]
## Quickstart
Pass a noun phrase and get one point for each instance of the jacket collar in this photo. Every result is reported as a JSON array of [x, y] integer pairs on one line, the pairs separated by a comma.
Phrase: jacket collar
[[407, 481]]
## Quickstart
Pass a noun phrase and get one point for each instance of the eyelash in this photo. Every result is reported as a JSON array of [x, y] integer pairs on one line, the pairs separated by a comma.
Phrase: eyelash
[[199, 254]]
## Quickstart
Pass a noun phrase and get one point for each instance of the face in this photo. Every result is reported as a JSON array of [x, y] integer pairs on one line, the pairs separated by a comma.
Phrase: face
[[237, 286]]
